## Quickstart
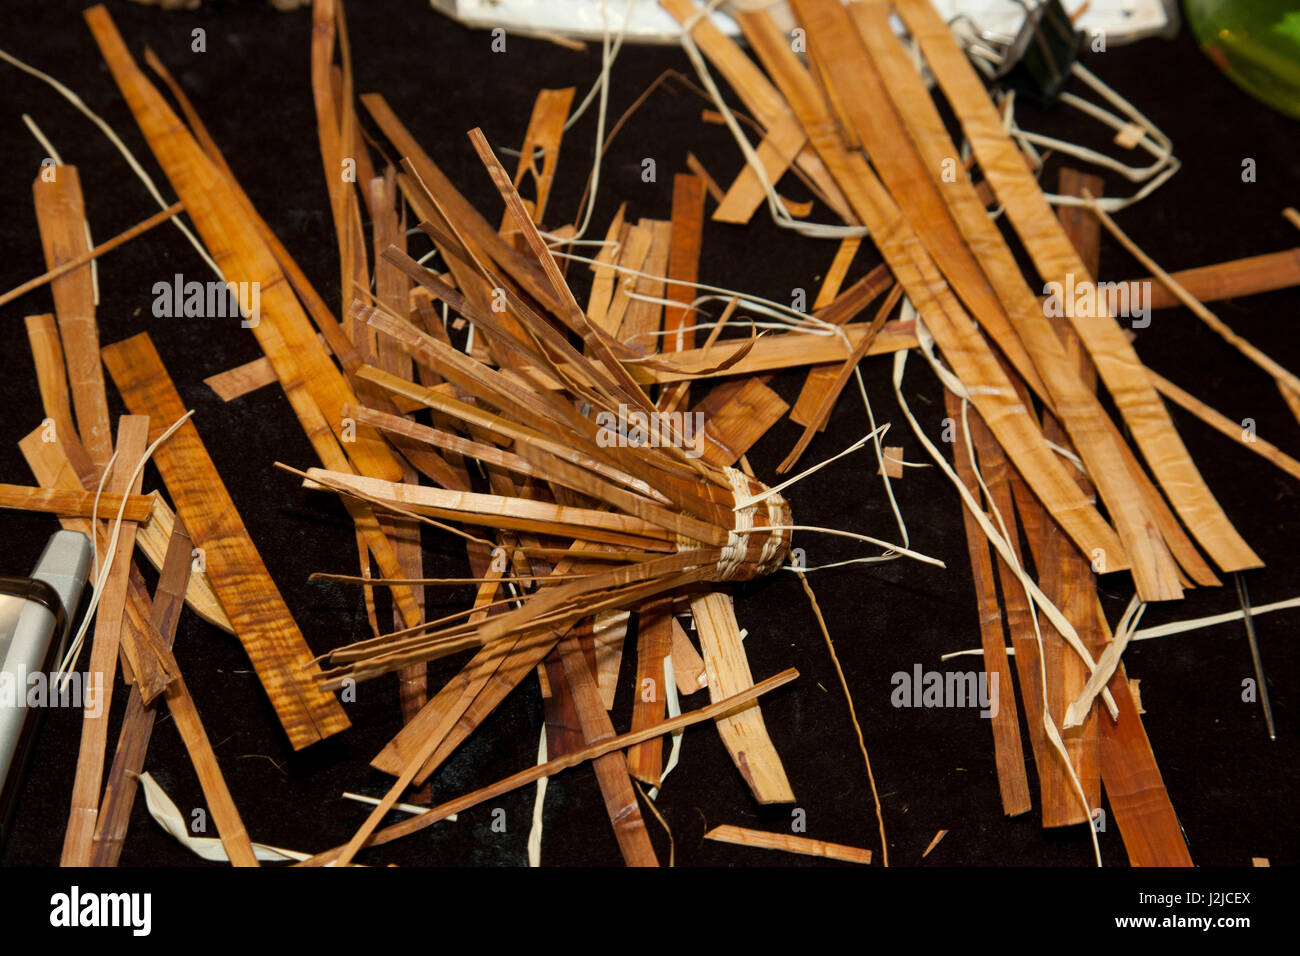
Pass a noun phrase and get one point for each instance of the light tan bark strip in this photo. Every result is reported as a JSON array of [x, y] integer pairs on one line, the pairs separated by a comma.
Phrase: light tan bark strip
[[743, 733], [788, 843]]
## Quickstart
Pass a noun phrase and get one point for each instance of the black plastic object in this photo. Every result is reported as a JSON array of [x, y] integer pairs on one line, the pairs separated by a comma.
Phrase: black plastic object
[[1037, 63]]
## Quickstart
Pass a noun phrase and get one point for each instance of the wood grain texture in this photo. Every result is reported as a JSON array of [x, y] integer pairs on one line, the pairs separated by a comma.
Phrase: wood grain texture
[[75, 504], [52, 378], [253, 603], [1136, 791], [737, 414], [1249, 275], [545, 132]]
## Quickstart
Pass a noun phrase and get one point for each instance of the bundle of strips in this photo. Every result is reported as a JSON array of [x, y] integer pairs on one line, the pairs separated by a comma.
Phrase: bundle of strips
[[602, 497]]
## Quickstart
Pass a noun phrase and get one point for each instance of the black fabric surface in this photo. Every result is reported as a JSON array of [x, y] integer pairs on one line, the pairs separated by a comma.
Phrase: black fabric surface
[[1234, 790]]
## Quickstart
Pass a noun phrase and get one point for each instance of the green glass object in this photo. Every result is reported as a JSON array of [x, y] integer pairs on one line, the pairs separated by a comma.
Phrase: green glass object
[[1256, 43]]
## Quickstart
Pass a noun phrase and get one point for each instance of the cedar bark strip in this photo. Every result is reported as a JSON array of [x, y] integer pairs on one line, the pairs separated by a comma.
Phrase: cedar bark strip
[[222, 805], [737, 414], [138, 721], [683, 262], [1055, 259], [818, 378], [1066, 579], [845, 67], [153, 537], [653, 643], [743, 732], [1257, 357], [611, 769], [132, 440], [788, 843], [315, 387], [768, 354], [61, 216], [186, 716], [842, 308], [262, 621], [1020, 625], [1084, 232], [609, 632], [320, 314], [603, 275], [392, 289], [335, 122], [545, 131], [1076, 406], [831, 393], [241, 380], [563, 729], [1136, 791], [51, 376], [688, 666], [74, 504], [1225, 425], [1250, 275], [634, 246], [1138, 799], [484, 240], [1009, 757], [642, 320]]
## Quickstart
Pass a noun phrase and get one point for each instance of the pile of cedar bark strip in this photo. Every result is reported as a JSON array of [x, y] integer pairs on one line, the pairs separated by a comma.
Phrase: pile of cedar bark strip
[[571, 537]]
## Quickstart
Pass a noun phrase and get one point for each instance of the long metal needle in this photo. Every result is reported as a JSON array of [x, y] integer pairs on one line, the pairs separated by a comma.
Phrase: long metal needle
[[1244, 597]]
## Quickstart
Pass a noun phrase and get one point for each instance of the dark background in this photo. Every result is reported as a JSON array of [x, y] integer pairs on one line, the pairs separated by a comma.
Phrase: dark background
[[1234, 790]]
